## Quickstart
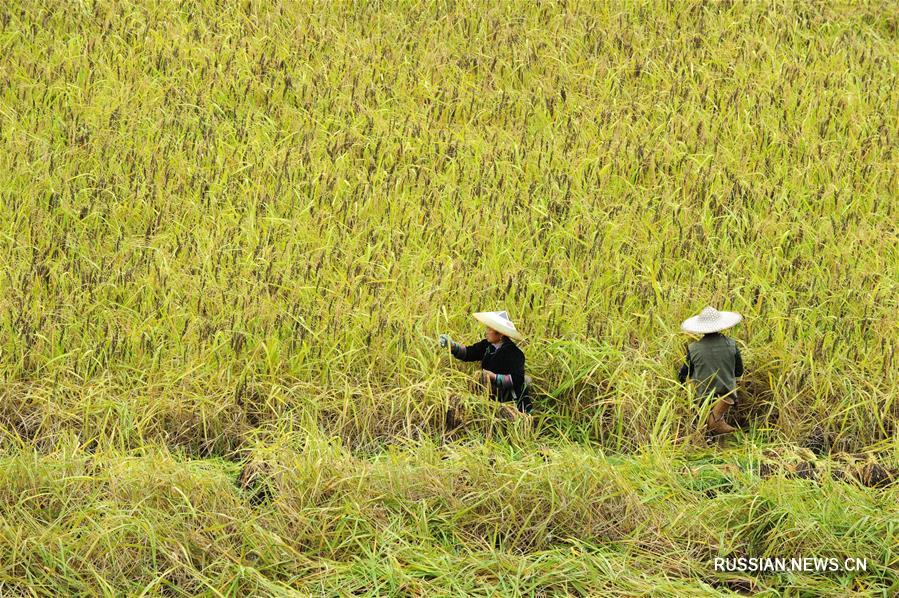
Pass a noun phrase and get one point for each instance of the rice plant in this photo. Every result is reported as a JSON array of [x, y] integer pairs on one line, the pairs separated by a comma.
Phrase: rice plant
[[231, 234]]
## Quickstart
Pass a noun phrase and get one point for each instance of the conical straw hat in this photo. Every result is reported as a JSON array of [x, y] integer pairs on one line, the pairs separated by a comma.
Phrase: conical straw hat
[[499, 321], [711, 320]]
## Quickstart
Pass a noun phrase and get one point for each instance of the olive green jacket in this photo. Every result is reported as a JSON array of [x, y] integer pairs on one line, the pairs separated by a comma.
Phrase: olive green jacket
[[714, 363]]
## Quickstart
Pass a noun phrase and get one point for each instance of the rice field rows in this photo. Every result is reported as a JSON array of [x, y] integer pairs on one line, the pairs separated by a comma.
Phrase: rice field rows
[[231, 234]]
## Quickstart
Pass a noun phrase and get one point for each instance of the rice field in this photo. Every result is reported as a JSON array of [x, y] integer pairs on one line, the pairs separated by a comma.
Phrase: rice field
[[232, 232]]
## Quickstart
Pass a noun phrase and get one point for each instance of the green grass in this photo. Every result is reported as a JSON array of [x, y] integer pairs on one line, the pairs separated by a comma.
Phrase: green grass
[[232, 234]]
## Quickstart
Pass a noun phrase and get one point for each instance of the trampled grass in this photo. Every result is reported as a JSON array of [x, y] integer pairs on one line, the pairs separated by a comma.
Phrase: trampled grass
[[231, 234]]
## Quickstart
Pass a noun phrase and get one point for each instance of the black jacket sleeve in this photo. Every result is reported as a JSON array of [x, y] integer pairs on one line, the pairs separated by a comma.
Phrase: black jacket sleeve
[[473, 352], [686, 370], [517, 371], [508, 364], [738, 363]]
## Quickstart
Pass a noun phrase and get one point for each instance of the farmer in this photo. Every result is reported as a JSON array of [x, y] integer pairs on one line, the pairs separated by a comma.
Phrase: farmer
[[714, 363], [502, 362]]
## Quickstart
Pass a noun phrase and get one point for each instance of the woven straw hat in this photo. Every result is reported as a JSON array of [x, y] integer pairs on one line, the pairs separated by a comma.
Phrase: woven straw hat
[[711, 320], [499, 321]]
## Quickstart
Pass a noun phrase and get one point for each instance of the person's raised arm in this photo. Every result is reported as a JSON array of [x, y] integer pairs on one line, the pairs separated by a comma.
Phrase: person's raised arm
[[473, 352]]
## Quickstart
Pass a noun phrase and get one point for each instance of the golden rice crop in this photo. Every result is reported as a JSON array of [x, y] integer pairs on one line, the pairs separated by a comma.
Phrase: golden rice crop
[[232, 232]]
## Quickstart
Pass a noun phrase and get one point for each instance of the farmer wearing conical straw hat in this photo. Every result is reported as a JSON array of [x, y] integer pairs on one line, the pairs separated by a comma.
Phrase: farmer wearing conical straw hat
[[502, 362], [714, 363]]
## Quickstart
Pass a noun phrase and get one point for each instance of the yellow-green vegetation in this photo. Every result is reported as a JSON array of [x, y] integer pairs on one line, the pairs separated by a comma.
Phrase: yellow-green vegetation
[[231, 232]]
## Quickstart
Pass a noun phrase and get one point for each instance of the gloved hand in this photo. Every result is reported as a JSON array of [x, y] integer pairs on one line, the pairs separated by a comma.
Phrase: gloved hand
[[445, 341]]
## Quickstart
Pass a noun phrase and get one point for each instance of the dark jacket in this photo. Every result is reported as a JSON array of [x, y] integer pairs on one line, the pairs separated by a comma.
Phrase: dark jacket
[[507, 361], [714, 362]]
